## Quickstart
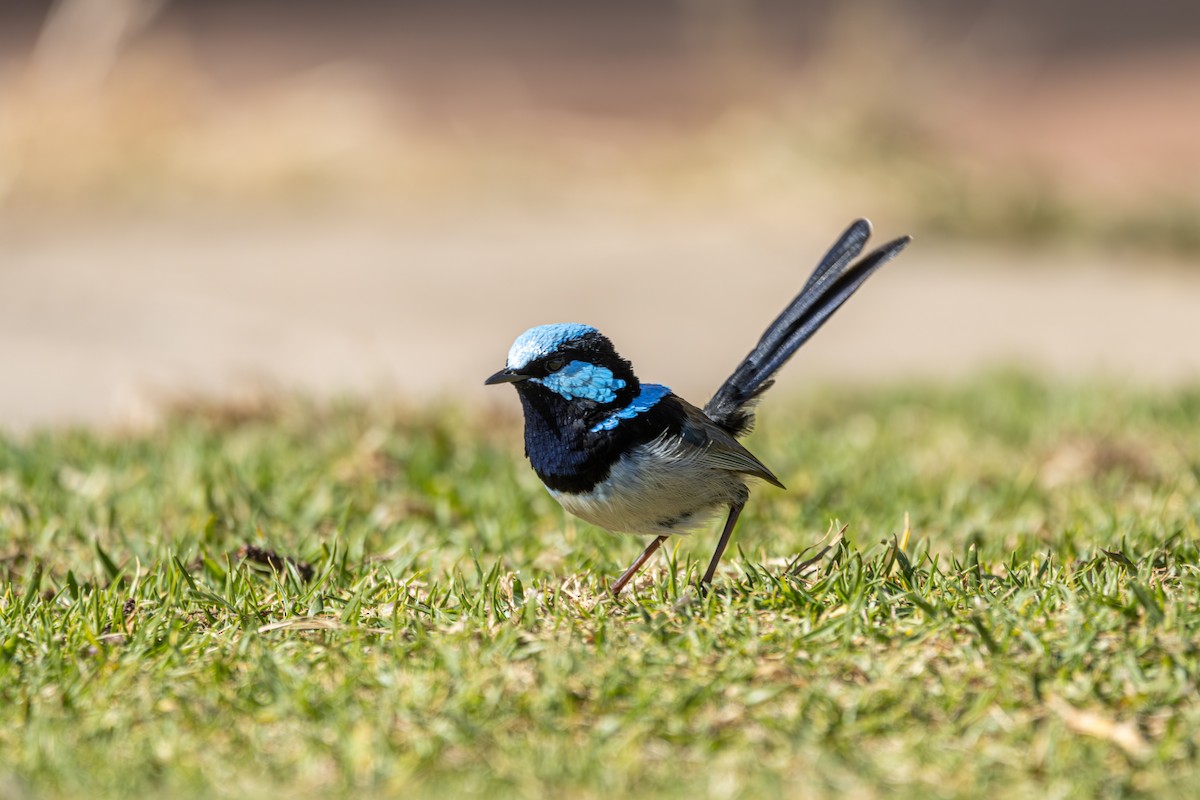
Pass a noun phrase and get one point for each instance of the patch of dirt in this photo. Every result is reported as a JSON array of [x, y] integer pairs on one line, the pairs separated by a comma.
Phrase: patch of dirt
[[101, 326]]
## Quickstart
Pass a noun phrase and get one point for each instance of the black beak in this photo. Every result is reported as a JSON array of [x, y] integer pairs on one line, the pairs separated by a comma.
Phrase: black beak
[[505, 376]]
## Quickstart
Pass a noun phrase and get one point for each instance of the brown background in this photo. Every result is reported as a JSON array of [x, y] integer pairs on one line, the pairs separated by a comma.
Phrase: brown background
[[214, 196]]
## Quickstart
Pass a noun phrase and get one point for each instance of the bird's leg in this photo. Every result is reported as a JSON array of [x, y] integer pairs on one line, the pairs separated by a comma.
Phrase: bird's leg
[[620, 582], [734, 511]]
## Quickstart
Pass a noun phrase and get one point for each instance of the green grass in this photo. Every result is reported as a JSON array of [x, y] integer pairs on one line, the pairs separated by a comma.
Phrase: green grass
[[1037, 636]]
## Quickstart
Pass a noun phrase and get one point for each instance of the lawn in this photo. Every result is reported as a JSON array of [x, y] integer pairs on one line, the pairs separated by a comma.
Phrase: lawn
[[288, 599]]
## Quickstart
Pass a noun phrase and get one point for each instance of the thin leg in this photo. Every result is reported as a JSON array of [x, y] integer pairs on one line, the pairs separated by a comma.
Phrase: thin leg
[[620, 582], [734, 511]]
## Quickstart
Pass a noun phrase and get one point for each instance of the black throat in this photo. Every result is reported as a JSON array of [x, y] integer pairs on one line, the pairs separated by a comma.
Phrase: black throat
[[564, 450]]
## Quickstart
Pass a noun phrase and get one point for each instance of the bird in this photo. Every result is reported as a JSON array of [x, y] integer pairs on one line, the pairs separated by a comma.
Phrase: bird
[[634, 457]]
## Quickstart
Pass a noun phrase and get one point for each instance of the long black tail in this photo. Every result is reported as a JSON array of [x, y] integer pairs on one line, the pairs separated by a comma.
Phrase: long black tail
[[830, 285]]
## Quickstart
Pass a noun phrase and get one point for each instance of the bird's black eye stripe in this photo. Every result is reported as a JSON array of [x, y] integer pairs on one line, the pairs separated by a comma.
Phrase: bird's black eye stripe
[[555, 364]]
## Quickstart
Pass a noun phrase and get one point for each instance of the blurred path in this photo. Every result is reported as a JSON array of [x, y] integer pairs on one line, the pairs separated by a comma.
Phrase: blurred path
[[95, 326]]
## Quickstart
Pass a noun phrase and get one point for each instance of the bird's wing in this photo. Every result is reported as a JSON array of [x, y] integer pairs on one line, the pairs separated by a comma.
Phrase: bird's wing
[[718, 447]]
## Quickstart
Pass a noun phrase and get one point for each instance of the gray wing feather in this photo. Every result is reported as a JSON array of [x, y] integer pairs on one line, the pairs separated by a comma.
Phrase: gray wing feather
[[719, 448]]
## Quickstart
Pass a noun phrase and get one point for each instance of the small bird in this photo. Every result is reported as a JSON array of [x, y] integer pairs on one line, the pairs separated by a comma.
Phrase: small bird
[[634, 457]]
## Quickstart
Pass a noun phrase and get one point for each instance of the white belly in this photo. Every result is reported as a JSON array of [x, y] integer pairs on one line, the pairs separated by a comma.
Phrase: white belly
[[652, 491]]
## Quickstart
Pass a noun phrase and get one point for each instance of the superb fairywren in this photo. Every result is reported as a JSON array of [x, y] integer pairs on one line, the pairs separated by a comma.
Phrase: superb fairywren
[[633, 457]]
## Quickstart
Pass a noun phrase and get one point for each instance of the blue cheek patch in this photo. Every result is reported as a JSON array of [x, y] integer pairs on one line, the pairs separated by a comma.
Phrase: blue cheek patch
[[583, 380], [649, 396]]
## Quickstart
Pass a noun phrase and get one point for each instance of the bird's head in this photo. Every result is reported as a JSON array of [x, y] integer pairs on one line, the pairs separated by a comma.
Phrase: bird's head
[[571, 363]]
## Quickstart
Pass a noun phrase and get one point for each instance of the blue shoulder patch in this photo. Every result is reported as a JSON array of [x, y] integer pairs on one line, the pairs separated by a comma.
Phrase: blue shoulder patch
[[583, 379], [543, 340], [647, 398]]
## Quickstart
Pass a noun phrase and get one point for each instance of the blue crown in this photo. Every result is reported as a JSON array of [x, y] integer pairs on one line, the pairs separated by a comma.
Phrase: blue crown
[[543, 340]]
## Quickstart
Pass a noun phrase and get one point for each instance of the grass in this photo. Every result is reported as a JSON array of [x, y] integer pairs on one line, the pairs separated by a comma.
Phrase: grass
[[290, 600]]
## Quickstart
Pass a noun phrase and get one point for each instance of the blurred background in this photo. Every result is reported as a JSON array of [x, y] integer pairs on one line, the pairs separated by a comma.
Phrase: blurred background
[[216, 197]]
